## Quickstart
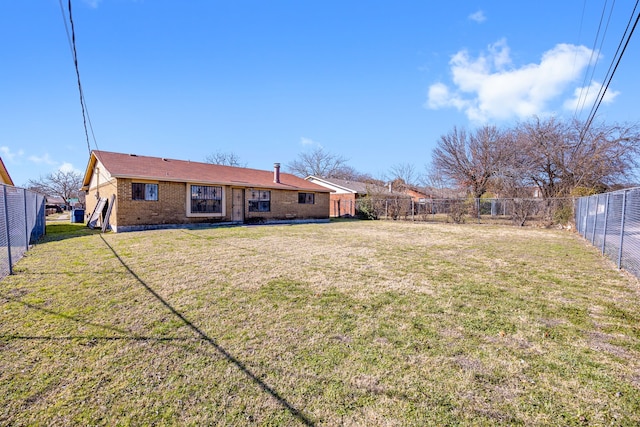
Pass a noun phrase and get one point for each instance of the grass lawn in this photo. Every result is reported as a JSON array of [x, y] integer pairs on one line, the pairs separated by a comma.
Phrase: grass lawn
[[347, 323]]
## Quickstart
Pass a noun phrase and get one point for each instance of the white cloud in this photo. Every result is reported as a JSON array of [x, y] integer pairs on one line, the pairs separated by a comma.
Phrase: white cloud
[[44, 159], [439, 97], [489, 87], [68, 167], [478, 17], [9, 155], [500, 54], [585, 97]]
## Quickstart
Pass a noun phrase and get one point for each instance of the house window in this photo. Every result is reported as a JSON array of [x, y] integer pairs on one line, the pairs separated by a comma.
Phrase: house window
[[141, 191], [306, 198], [259, 201], [206, 199]]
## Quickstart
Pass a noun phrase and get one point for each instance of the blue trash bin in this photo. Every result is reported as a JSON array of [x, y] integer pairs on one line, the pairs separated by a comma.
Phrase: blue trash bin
[[77, 215]]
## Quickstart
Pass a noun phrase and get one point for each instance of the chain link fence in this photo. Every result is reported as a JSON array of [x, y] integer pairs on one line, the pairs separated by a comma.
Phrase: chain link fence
[[520, 211], [611, 222], [22, 222]]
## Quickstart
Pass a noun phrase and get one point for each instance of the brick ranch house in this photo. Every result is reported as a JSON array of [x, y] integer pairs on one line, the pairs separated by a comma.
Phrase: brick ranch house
[[131, 192]]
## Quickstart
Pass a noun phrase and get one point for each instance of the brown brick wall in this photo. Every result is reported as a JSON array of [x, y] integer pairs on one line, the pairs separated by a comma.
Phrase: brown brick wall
[[284, 205], [170, 208], [343, 205]]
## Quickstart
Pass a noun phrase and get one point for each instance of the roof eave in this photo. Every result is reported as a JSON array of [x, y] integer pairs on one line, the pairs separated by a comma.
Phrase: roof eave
[[349, 190], [274, 186]]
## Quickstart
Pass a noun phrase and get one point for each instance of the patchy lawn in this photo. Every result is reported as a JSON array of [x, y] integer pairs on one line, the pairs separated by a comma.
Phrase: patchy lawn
[[347, 323]]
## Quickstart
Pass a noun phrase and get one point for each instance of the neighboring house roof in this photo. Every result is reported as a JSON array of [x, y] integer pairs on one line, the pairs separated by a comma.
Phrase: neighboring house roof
[[4, 174], [133, 166], [416, 194], [55, 200], [342, 186], [347, 186]]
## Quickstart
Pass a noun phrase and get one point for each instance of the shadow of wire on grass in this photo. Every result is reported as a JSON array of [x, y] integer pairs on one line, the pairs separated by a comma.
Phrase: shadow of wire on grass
[[89, 338], [241, 366], [124, 334]]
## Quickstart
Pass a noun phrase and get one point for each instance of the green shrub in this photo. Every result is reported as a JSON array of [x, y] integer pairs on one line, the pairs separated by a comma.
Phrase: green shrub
[[563, 215]]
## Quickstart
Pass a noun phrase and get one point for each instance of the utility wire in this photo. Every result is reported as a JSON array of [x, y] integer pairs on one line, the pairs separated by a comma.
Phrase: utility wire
[[611, 72], [83, 103], [72, 45], [618, 49], [586, 85], [584, 8], [584, 91], [71, 37], [66, 27]]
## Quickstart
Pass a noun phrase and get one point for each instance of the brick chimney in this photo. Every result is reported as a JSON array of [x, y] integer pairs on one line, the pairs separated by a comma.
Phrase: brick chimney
[[276, 173]]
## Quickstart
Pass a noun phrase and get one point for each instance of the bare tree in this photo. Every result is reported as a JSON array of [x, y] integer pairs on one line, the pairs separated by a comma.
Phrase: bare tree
[[605, 155], [405, 172], [349, 173], [541, 147], [225, 158], [470, 160], [438, 185], [65, 185], [320, 163], [559, 157], [556, 157]]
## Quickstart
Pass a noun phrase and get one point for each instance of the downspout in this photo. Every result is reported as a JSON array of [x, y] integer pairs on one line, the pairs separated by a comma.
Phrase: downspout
[[98, 183]]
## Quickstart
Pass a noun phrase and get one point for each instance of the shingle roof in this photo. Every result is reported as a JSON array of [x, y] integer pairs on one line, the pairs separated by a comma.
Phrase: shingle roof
[[357, 187], [121, 165]]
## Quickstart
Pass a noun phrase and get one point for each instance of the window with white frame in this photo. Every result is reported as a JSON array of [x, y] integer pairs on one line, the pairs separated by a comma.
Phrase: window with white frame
[[259, 201], [206, 199], [144, 191]]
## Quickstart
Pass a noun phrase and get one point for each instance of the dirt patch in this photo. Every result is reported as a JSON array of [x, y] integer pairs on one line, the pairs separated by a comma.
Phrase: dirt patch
[[600, 342]]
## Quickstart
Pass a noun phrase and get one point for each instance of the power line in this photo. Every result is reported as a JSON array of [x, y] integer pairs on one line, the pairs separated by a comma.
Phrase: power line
[[66, 27], [71, 37], [72, 45], [584, 91], [584, 8], [615, 56], [612, 69]]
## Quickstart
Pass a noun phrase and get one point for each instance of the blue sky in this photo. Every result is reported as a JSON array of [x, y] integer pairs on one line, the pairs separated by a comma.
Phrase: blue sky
[[376, 82]]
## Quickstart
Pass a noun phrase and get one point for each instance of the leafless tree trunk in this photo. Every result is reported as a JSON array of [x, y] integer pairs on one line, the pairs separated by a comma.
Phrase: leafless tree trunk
[[320, 163], [470, 160], [561, 157], [65, 185], [405, 172]]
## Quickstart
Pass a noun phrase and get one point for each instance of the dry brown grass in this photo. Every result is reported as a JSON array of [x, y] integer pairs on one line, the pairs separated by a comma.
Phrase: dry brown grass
[[348, 323]]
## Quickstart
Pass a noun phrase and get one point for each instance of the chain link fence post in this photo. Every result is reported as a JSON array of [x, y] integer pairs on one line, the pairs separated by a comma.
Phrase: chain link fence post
[[622, 217], [26, 217], [595, 220], [606, 220], [7, 228]]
